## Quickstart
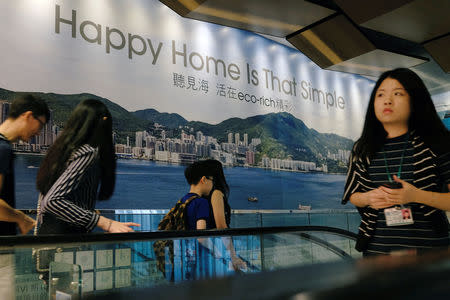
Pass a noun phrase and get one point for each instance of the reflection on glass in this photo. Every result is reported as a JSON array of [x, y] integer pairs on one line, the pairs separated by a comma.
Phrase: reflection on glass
[[65, 281], [90, 268], [7, 276]]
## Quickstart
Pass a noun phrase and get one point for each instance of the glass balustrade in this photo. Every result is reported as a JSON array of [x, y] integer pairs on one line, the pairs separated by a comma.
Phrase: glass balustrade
[[344, 219], [88, 264]]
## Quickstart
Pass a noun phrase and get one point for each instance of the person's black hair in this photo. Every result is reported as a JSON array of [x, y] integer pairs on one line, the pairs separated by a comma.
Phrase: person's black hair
[[28, 102], [89, 123], [194, 172], [423, 118], [220, 183]]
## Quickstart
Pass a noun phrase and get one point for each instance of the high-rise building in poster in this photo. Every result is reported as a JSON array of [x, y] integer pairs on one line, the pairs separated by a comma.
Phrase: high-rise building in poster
[[250, 157], [139, 139], [199, 136]]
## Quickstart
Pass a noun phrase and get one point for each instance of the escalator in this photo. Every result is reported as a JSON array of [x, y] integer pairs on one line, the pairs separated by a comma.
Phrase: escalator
[[109, 263], [295, 262]]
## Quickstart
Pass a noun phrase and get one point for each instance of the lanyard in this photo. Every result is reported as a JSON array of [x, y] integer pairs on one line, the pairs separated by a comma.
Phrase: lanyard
[[399, 172]]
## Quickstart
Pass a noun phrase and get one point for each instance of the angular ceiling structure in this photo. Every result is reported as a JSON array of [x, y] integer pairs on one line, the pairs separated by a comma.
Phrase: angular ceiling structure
[[354, 36]]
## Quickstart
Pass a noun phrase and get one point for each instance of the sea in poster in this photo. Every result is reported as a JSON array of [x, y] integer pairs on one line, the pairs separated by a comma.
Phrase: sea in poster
[[143, 184]]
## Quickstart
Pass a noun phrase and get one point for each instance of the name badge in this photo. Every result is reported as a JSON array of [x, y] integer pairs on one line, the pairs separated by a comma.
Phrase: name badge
[[398, 216]]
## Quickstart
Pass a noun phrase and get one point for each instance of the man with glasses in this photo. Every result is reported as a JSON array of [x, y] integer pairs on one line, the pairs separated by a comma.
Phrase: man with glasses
[[27, 116]]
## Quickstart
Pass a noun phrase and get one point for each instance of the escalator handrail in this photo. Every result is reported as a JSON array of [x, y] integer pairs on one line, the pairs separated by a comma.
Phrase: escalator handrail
[[323, 243], [23, 240]]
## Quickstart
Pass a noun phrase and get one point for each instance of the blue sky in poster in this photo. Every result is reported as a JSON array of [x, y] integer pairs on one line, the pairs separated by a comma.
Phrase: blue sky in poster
[[39, 59]]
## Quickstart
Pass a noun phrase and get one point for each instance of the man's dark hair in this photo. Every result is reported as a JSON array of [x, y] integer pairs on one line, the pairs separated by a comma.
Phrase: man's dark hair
[[196, 171], [31, 103]]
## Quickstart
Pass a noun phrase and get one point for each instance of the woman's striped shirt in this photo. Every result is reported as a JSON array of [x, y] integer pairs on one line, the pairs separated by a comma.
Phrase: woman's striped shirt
[[73, 195], [422, 168], [389, 238]]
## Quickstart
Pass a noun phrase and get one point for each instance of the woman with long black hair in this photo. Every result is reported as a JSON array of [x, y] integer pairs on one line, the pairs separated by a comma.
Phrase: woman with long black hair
[[221, 210], [400, 166], [79, 168]]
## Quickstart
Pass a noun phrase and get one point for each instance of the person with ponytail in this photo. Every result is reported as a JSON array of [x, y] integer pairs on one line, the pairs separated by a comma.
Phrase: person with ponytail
[[221, 210], [400, 166], [78, 169]]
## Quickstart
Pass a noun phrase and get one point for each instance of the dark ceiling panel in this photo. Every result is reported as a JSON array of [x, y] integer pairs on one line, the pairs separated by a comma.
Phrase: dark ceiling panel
[[331, 42], [418, 21], [277, 18], [181, 7], [337, 44], [363, 11], [440, 51], [375, 62]]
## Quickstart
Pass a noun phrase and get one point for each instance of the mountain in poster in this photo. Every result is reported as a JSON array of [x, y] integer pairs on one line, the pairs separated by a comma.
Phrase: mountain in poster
[[62, 105], [166, 119], [282, 135]]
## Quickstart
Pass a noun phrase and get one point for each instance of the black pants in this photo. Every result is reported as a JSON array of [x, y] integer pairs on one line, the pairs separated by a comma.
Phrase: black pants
[[52, 225]]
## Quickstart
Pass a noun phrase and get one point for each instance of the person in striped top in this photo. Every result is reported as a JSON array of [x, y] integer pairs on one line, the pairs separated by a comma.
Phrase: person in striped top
[[400, 166], [79, 168]]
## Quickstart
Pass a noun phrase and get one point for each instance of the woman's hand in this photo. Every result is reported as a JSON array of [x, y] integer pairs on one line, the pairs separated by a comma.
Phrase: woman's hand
[[26, 224], [408, 192], [377, 199], [238, 264], [112, 226], [118, 227]]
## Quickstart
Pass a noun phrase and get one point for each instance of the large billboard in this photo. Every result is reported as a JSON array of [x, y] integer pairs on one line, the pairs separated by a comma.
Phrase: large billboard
[[182, 90]]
